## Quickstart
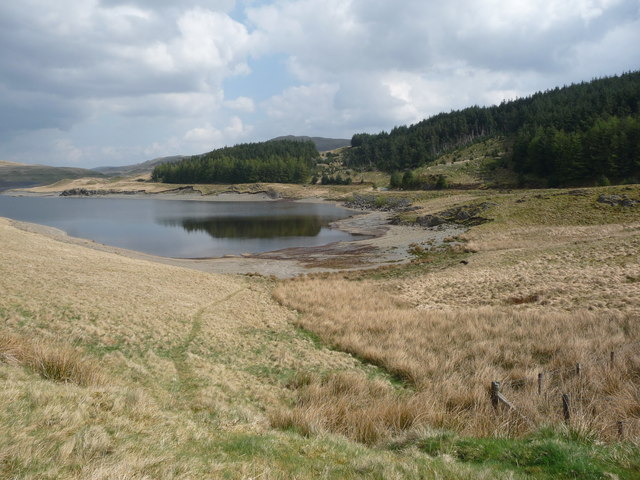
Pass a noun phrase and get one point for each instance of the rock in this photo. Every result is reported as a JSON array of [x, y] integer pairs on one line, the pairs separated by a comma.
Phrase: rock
[[462, 215], [617, 200], [83, 192], [384, 204], [430, 221], [468, 215]]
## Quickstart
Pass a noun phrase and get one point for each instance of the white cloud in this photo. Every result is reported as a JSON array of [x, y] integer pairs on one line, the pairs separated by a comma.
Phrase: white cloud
[[211, 40], [65, 149], [118, 80], [303, 108], [208, 137], [241, 104]]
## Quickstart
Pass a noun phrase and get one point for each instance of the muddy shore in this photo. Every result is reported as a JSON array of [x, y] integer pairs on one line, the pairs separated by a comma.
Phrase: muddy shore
[[382, 244]]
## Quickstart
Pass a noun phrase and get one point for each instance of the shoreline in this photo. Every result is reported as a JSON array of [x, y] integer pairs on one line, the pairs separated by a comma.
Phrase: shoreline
[[384, 245]]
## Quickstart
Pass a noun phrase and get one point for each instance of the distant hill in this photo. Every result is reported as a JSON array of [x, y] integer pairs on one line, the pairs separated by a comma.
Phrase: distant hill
[[17, 175], [136, 169], [282, 161], [321, 143]]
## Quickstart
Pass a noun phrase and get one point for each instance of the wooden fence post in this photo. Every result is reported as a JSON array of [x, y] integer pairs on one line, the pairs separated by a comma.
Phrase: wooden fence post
[[495, 394], [566, 407], [612, 359], [578, 369], [620, 425], [540, 379]]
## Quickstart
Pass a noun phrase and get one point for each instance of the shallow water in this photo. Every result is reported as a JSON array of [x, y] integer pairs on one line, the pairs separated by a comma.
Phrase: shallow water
[[183, 228]]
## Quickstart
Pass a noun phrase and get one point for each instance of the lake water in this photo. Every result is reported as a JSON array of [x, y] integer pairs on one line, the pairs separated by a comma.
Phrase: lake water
[[183, 228]]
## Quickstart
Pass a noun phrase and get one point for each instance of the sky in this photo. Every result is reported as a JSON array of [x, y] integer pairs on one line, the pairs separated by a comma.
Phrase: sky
[[89, 83]]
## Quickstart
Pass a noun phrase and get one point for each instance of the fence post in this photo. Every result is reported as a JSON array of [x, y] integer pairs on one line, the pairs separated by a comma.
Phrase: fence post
[[578, 369], [566, 407], [620, 425], [540, 379], [612, 359], [495, 394]]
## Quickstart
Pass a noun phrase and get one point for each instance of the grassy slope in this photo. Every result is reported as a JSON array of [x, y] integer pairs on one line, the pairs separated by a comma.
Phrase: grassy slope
[[168, 373], [12, 173], [477, 165], [554, 281], [204, 375]]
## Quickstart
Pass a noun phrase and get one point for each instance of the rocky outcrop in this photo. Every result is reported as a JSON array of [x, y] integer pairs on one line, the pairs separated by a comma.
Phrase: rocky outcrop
[[83, 192], [617, 200], [380, 203], [468, 215]]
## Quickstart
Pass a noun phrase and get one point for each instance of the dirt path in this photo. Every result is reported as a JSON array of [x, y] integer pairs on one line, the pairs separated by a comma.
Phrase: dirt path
[[187, 379]]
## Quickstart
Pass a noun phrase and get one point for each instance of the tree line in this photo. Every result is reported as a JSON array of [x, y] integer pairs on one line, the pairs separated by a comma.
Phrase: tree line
[[567, 134], [282, 161]]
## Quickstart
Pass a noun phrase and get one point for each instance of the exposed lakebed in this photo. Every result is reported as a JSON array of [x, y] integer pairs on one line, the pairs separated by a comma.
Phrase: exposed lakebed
[[184, 228]]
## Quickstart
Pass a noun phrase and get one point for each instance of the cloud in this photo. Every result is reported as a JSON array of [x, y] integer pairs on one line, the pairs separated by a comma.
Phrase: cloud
[[241, 104], [395, 64], [206, 137], [121, 79]]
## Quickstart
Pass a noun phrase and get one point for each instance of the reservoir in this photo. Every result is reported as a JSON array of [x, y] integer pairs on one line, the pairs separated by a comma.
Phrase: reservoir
[[184, 228]]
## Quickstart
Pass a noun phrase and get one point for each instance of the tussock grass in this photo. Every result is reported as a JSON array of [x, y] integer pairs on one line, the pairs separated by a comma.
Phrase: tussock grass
[[547, 288], [451, 357], [59, 363], [368, 411]]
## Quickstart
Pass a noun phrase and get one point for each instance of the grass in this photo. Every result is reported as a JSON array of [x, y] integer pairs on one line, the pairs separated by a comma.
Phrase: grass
[[548, 287], [479, 164], [182, 370], [59, 363], [208, 376], [547, 454]]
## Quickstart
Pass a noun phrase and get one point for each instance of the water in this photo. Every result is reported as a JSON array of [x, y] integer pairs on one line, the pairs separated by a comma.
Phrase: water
[[183, 228]]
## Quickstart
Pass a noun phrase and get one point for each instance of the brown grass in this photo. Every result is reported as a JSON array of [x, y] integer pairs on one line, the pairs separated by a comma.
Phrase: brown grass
[[450, 357], [60, 363], [535, 298], [189, 361], [348, 403]]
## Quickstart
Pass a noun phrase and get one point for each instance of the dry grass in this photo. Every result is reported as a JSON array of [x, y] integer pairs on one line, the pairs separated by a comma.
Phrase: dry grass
[[60, 363], [195, 367], [539, 297], [365, 410], [452, 356], [188, 362]]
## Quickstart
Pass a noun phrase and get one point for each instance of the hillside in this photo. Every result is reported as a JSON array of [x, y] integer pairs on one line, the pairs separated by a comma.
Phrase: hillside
[[114, 367], [283, 161], [321, 143], [578, 134], [14, 175], [136, 169]]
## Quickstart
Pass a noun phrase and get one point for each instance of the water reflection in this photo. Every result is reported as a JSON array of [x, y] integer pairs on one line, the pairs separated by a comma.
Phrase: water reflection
[[184, 229], [250, 227]]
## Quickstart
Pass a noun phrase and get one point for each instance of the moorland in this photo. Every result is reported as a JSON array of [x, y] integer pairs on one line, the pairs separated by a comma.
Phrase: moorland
[[117, 365]]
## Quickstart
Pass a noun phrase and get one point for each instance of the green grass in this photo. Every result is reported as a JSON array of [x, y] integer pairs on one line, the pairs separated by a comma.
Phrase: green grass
[[477, 165], [42, 174], [560, 207], [546, 454]]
